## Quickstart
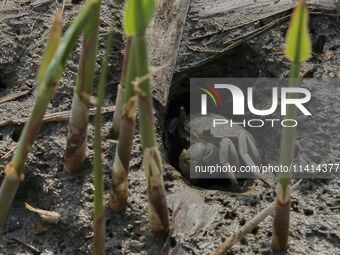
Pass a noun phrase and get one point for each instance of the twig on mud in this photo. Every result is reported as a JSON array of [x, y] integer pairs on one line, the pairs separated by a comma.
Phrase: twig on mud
[[40, 3], [48, 216], [23, 1], [325, 14], [241, 25], [14, 96], [7, 154], [16, 10], [235, 238], [29, 246], [19, 15], [54, 117], [203, 49], [258, 31]]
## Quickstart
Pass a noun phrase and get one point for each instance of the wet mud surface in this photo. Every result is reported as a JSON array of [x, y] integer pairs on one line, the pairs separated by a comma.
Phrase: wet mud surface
[[201, 218]]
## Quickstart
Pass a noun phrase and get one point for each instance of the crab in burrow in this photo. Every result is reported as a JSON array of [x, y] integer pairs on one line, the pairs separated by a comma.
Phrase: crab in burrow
[[206, 145]]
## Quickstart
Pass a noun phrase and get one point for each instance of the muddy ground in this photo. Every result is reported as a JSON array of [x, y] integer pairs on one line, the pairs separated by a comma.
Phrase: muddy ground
[[206, 215]]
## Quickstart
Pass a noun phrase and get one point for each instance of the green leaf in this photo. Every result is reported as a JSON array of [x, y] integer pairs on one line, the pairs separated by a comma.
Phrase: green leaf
[[52, 44], [298, 42], [138, 14]]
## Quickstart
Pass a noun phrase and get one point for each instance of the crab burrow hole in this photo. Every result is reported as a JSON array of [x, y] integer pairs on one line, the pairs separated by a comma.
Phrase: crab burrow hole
[[243, 63]]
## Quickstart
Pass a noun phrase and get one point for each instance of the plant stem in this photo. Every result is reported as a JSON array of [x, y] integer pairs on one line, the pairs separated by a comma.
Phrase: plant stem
[[298, 49], [75, 152], [152, 159], [119, 185], [14, 170], [282, 208], [120, 93], [98, 179]]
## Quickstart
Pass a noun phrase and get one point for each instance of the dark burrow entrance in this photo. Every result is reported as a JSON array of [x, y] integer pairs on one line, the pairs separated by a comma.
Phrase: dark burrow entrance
[[245, 62]]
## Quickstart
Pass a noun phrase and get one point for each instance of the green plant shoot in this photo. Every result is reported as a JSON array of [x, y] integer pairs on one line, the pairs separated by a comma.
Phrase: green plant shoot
[[98, 179], [298, 50], [140, 13], [75, 152]]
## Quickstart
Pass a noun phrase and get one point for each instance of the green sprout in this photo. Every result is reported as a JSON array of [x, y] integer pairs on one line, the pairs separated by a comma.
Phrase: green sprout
[[138, 91], [119, 184], [98, 179], [75, 152], [298, 50]]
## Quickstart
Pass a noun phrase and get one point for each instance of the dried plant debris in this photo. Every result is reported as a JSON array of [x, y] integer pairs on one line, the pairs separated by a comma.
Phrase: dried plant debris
[[48, 216]]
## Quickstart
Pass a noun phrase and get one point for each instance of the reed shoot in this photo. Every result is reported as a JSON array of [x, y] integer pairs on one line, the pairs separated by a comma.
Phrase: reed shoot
[[98, 179], [75, 152], [153, 166], [298, 50]]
